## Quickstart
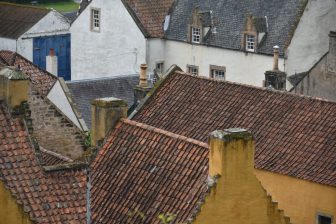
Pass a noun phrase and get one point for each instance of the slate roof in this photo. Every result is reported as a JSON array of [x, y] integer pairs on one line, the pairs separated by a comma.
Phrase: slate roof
[[71, 16], [294, 135], [48, 197], [230, 16], [85, 91], [145, 169], [42, 80], [15, 20]]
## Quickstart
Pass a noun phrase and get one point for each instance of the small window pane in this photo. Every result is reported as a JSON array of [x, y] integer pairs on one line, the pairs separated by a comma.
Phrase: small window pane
[[193, 70], [195, 35], [250, 43], [218, 74], [324, 219], [95, 20]]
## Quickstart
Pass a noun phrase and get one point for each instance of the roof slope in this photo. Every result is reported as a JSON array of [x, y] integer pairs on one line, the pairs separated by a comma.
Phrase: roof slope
[[42, 80], [84, 92], [230, 16], [295, 135], [56, 197], [149, 15], [141, 168], [15, 20]]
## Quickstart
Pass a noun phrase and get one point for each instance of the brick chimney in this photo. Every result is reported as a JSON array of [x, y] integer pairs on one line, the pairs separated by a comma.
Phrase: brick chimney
[[275, 78], [105, 113], [14, 86], [141, 90], [331, 58], [52, 62], [232, 148]]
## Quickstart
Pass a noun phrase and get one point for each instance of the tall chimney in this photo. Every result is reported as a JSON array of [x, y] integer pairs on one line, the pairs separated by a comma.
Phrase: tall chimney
[[276, 58], [105, 114], [275, 78], [331, 58], [14, 86], [141, 90], [231, 147], [52, 62]]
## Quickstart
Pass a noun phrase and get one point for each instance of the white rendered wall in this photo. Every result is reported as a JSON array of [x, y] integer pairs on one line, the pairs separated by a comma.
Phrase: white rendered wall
[[118, 49], [310, 41], [59, 99], [7, 44], [156, 53], [247, 68]]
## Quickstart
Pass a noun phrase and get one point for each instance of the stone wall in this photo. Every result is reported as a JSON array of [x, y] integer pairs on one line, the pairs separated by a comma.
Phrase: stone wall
[[53, 130]]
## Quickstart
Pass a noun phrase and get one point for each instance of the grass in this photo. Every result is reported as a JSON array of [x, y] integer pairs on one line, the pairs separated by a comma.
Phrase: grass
[[68, 6]]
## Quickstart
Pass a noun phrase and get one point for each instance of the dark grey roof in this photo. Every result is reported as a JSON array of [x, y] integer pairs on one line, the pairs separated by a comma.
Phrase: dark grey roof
[[83, 92], [229, 16], [15, 20], [71, 16], [297, 78]]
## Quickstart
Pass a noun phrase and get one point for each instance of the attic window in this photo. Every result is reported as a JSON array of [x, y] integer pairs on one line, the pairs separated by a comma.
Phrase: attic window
[[250, 43], [195, 35], [95, 20], [217, 72], [192, 69]]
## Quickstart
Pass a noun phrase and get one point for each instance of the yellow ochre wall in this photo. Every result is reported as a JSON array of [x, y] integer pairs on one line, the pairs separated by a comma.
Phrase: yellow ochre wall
[[10, 212], [300, 199], [238, 197]]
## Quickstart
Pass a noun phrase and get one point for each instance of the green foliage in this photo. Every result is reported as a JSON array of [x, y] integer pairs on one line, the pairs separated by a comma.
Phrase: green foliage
[[88, 140], [136, 213], [166, 218]]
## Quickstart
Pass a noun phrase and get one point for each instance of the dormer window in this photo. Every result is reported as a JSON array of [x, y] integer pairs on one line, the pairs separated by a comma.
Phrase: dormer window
[[250, 43], [195, 35], [95, 20]]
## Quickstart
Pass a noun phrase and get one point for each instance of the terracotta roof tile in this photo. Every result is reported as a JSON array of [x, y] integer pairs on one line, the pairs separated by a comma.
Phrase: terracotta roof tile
[[52, 158], [295, 135], [149, 170], [47, 197], [42, 80]]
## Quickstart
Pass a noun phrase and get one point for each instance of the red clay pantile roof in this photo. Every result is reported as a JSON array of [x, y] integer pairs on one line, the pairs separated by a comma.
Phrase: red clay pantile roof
[[42, 80], [53, 197], [145, 169], [52, 158], [295, 135], [149, 15], [15, 20]]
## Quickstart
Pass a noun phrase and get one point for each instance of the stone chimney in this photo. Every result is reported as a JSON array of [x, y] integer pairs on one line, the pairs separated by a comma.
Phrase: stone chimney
[[275, 78], [141, 90], [52, 62], [14, 86], [105, 114], [331, 58], [233, 148]]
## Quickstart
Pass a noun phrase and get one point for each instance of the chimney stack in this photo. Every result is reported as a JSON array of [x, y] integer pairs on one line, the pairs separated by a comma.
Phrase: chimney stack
[[275, 78], [105, 114], [276, 58], [231, 150], [331, 58], [14, 86], [52, 62], [141, 90]]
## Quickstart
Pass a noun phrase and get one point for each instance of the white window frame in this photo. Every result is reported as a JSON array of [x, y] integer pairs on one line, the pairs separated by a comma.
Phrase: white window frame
[[159, 67], [250, 42], [318, 214], [196, 34], [218, 72], [193, 70], [95, 19]]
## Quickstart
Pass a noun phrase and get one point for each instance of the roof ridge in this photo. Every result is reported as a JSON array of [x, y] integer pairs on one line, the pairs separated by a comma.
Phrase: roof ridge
[[24, 6], [164, 132], [259, 88]]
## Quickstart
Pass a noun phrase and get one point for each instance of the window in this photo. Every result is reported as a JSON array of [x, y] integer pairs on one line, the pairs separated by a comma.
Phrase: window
[[217, 72], [250, 43], [95, 20], [192, 69], [159, 67], [324, 219], [195, 35]]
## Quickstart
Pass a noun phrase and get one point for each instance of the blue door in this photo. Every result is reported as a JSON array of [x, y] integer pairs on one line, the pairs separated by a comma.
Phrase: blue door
[[61, 45]]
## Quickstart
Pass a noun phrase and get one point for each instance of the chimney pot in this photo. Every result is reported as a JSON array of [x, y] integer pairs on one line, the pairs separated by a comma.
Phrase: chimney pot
[[51, 52], [143, 76], [276, 58], [105, 114], [52, 62]]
